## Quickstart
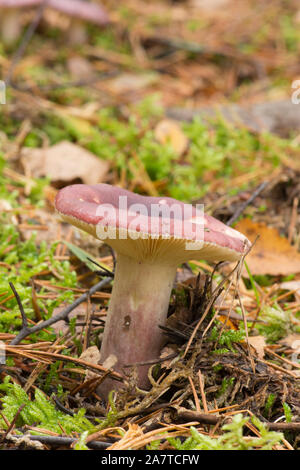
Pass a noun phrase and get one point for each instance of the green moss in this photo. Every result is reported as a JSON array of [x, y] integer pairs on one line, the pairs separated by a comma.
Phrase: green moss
[[227, 337], [277, 323], [233, 437], [38, 411]]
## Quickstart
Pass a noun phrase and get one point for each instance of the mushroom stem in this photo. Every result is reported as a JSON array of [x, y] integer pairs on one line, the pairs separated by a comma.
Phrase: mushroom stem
[[138, 305], [11, 26]]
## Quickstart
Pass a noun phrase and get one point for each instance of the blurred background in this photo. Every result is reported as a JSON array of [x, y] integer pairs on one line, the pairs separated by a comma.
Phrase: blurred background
[[191, 99]]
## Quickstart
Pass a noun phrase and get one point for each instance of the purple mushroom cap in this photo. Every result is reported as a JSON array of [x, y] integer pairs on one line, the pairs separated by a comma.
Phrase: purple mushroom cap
[[80, 9], [18, 3]]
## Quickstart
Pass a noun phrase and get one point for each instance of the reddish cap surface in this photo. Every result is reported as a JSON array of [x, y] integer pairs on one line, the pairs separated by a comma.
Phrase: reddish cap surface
[[140, 219]]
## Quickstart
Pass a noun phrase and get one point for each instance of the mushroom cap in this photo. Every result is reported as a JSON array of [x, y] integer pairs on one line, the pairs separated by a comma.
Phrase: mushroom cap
[[18, 3], [149, 228], [80, 9]]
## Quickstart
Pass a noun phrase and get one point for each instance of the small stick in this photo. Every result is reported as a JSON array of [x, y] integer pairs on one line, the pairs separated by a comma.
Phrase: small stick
[[103, 270], [62, 441], [26, 331], [283, 359], [188, 415], [195, 395], [201, 384]]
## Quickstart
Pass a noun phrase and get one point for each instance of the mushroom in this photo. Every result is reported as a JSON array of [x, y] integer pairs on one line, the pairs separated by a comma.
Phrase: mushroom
[[151, 237], [11, 18], [80, 11]]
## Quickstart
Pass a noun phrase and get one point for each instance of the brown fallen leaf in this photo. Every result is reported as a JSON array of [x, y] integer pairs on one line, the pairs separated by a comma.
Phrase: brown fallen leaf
[[64, 162], [271, 254], [168, 131]]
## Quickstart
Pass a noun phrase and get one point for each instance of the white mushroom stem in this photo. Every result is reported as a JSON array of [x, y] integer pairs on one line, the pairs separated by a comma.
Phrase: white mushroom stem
[[11, 25], [138, 305]]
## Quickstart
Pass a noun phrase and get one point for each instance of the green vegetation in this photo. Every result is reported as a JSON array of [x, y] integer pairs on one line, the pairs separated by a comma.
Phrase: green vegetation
[[216, 148], [226, 338], [20, 262], [278, 323], [232, 439], [39, 411]]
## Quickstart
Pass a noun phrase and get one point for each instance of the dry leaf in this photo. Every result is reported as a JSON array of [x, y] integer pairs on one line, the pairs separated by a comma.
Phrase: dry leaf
[[65, 162], [271, 254], [61, 326], [291, 341], [168, 131], [259, 344]]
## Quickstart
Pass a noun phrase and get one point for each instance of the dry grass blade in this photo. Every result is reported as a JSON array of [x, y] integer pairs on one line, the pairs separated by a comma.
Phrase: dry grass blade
[[135, 439], [48, 357]]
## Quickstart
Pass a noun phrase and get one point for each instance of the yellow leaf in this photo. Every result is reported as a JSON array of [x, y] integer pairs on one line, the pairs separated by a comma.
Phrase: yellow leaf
[[272, 254]]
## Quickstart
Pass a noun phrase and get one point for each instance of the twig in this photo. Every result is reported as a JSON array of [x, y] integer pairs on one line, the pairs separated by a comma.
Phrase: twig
[[62, 441], [201, 384], [21, 308], [41, 355], [26, 331], [61, 407], [103, 269], [195, 395]]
